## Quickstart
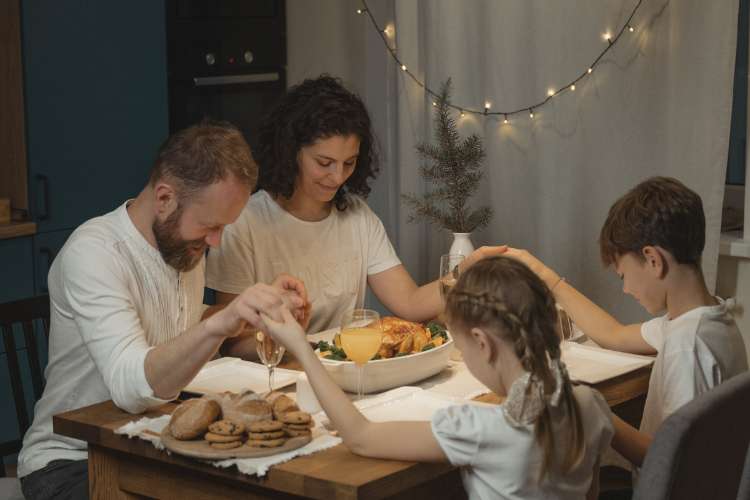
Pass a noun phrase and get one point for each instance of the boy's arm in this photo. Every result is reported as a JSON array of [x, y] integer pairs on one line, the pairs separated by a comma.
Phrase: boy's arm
[[594, 321], [629, 441]]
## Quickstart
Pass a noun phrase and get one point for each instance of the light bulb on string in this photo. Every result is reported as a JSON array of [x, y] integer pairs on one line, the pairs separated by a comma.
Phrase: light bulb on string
[[389, 31]]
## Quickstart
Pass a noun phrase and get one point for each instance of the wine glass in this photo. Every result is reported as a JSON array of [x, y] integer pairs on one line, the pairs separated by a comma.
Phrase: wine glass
[[270, 353], [361, 337], [449, 272], [564, 327]]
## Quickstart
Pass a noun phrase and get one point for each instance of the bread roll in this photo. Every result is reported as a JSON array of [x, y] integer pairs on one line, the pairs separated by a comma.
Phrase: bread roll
[[283, 404], [192, 418]]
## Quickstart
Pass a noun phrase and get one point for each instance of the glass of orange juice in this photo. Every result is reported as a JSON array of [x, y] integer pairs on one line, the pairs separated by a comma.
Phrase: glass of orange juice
[[361, 336]]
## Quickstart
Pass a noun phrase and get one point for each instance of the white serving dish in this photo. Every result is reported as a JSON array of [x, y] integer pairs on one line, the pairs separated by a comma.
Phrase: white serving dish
[[383, 374]]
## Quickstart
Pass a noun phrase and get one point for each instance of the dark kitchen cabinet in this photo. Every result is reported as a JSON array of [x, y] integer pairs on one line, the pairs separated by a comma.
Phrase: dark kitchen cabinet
[[96, 104]]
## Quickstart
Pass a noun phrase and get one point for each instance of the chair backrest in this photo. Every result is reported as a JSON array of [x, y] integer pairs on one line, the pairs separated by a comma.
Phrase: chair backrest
[[744, 491], [23, 317], [699, 451]]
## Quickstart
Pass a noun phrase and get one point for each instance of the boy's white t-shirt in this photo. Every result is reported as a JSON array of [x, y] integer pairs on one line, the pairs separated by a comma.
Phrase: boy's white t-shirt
[[498, 460], [697, 351], [333, 257]]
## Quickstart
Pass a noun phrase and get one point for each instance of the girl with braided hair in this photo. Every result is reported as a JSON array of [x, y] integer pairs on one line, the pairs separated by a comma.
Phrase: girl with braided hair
[[544, 441]]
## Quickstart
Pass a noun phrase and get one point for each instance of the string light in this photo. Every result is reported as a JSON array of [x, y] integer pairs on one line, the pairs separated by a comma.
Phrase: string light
[[388, 30]]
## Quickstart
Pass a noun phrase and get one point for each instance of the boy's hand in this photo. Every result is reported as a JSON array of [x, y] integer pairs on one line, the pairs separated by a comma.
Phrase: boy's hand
[[550, 277], [286, 331], [479, 254]]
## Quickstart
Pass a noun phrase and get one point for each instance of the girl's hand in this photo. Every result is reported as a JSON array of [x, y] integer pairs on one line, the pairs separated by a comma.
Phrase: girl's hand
[[287, 331]]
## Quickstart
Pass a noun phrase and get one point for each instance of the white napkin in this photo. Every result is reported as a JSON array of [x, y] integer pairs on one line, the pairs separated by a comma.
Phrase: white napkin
[[149, 429]]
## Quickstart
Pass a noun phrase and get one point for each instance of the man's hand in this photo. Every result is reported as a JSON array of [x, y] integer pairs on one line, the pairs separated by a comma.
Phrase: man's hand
[[243, 311]]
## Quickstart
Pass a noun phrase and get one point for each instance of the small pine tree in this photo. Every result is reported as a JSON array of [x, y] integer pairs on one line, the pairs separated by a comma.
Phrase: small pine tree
[[454, 168]]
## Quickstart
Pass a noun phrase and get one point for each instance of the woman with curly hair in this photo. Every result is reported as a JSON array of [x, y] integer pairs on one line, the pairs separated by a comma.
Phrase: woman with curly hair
[[316, 157]]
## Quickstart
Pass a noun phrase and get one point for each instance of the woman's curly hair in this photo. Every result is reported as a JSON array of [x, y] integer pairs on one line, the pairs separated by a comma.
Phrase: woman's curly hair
[[314, 109]]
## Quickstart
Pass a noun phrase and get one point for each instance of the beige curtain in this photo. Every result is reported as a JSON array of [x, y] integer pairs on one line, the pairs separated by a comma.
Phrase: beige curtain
[[659, 103]]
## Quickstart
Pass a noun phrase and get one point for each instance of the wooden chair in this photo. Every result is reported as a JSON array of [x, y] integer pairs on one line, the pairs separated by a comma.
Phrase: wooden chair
[[26, 317], [699, 451]]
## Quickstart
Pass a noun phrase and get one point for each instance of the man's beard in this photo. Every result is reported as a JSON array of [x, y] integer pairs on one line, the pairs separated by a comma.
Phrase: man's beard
[[183, 255]]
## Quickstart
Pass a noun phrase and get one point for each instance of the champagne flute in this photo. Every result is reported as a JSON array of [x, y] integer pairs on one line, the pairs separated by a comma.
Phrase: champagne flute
[[564, 327], [361, 337], [270, 353], [449, 272]]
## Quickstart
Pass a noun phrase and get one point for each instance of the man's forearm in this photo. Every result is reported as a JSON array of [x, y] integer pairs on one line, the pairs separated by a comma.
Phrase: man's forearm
[[242, 346], [171, 366]]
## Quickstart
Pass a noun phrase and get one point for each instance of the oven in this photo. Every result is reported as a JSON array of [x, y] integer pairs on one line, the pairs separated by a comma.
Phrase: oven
[[226, 60]]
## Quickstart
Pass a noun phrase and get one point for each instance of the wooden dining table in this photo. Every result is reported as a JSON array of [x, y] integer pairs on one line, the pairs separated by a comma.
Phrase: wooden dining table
[[123, 468]]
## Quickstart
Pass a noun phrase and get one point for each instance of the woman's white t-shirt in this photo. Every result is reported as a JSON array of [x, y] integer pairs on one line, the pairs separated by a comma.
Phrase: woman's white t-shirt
[[333, 257], [498, 460]]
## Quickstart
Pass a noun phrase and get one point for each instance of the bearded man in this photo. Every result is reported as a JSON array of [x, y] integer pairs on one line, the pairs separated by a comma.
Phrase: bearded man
[[126, 297]]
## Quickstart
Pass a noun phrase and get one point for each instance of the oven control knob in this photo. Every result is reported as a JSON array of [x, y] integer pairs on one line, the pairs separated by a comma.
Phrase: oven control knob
[[210, 59], [248, 56]]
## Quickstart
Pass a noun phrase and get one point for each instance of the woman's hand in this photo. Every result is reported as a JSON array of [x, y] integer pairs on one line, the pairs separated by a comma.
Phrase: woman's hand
[[293, 287], [479, 254]]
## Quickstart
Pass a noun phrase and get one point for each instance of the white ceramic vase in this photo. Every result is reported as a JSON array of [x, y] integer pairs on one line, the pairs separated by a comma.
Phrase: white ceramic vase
[[461, 244]]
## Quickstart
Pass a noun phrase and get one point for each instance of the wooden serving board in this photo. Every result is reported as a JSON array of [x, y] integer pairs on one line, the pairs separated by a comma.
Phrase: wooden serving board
[[201, 448]]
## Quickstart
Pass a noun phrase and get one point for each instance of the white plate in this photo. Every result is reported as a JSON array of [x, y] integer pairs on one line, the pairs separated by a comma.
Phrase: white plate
[[384, 374], [408, 403], [592, 365], [236, 375]]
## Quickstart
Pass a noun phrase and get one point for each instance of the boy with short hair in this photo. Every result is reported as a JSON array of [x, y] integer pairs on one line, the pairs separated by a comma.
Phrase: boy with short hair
[[653, 238]]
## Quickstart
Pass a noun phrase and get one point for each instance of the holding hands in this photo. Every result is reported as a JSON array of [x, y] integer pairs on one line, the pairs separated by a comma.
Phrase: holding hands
[[243, 312]]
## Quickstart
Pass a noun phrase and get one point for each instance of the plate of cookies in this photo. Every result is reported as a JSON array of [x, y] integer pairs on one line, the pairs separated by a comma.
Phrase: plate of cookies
[[245, 425]]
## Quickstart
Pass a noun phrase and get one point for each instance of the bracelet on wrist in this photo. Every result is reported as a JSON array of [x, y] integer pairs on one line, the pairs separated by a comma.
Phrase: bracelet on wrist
[[559, 279]]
